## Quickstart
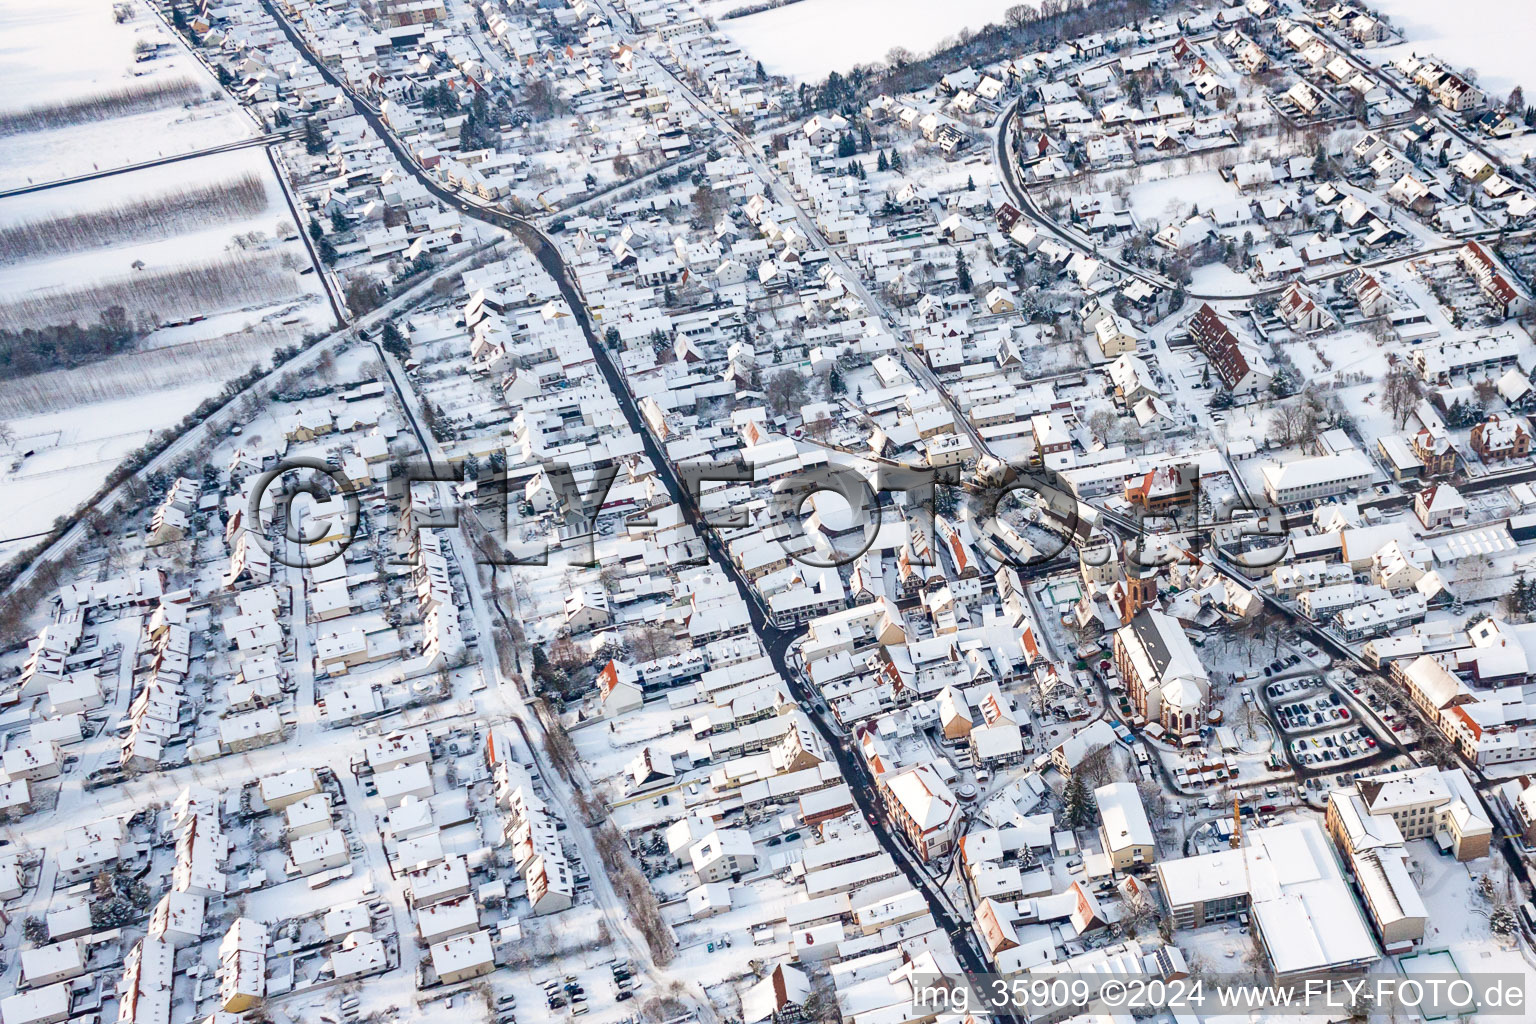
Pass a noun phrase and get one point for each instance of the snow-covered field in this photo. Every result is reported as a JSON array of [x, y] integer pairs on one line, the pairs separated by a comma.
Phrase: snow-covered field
[[1492, 37], [1168, 200], [66, 49], [75, 450], [74, 50], [197, 239], [806, 40], [80, 423]]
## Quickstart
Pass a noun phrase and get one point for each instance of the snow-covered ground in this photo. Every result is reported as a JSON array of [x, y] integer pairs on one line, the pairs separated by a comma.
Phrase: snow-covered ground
[[1493, 37], [1167, 200], [1458, 912], [73, 50], [74, 453], [806, 40], [80, 423], [196, 240]]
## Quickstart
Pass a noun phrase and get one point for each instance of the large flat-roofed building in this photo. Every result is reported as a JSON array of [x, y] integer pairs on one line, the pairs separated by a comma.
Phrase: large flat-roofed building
[[1286, 877], [1393, 901], [1321, 476]]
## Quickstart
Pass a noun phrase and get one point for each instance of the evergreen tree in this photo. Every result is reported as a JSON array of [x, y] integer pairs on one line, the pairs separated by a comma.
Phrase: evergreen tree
[[846, 146], [866, 143], [882, 164], [944, 503], [328, 254], [970, 183], [316, 232], [962, 272], [1079, 808], [895, 159], [393, 341], [761, 74], [314, 137], [835, 382]]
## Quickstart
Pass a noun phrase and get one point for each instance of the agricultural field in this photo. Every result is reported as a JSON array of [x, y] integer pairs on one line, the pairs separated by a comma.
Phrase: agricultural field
[[161, 281], [809, 39], [116, 93]]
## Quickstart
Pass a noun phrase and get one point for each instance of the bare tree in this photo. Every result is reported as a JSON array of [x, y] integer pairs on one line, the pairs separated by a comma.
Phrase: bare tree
[[786, 389], [1105, 424], [1285, 424], [1400, 392], [1097, 767], [649, 642]]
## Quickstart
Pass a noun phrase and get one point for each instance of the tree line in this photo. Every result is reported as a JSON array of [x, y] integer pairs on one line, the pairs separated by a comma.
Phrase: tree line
[[157, 216], [1026, 27], [155, 296], [130, 99], [35, 349]]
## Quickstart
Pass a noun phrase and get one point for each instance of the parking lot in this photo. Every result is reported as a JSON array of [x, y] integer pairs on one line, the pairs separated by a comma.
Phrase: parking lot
[[1302, 705], [1279, 665], [1334, 747], [1320, 730]]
